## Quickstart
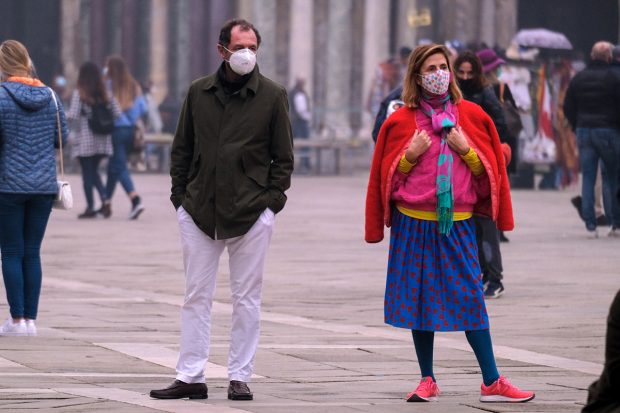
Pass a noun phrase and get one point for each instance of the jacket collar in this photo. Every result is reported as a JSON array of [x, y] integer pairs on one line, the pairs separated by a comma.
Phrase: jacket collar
[[598, 64], [213, 82]]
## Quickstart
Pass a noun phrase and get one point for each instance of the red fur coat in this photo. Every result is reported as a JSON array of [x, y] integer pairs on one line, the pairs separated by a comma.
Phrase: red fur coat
[[393, 141]]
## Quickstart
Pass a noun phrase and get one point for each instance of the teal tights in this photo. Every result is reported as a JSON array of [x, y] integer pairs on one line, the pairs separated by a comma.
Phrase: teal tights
[[480, 342]]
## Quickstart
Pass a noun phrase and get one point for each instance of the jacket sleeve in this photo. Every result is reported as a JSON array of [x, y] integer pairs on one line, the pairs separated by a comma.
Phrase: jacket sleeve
[[570, 105], [382, 114], [505, 219], [374, 203], [281, 152], [182, 153], [492, 106], [74, 108]]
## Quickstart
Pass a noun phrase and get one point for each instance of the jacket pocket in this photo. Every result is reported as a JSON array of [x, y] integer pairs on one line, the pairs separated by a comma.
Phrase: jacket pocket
[[193, 170], [256, 168]]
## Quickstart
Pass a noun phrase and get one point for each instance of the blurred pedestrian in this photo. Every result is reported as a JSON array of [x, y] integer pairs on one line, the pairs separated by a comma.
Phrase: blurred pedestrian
[[301, 116], [128, 94], [90, 147], [388, 75], [436, 163], [392, 99], [153, 152], [592, 105], [29, 113], [59, 85], [603, 394], [473, 84], [234, 125], [508, 130]]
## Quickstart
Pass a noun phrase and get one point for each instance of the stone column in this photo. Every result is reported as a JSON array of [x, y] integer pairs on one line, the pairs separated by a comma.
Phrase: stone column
[[407, 34], [179, 48], [356, 95], [505, 21], [376, 41], [265, 21], [460, 19], [220, 11], [339, 44], [282, 44], [245, 10], [114, 33], [487, 22], [320, 27], [300, 45], [71, 53], [159, 51], [95, 19]]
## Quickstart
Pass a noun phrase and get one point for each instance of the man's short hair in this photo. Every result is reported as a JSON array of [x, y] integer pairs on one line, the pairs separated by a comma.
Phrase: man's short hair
[[225, 32], [615, 52], [601, 51], [404, 52]]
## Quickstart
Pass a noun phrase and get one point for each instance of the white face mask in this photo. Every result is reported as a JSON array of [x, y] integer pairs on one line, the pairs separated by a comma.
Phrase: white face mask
[[242, 61]]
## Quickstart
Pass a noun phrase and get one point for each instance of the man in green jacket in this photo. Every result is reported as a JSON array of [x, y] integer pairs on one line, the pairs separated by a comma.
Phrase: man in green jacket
[[232, 159]]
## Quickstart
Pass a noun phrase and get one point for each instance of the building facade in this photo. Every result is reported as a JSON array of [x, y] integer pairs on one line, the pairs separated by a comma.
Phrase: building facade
[[334, 44]]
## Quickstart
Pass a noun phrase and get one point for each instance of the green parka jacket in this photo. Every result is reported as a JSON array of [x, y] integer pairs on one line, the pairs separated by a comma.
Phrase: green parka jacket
[[232, 155]]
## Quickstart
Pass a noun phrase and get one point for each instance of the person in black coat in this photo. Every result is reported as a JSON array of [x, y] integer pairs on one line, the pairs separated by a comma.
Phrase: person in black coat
[[491, 68], [603, 394], [472, 83], [592, 106]]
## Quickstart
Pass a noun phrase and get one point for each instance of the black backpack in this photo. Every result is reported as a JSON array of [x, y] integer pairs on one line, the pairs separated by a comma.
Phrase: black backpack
[[101, 120]]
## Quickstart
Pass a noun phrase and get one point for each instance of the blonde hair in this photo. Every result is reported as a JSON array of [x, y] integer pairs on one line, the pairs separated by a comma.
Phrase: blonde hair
[[124, 87], [15, 60], [412, 91]]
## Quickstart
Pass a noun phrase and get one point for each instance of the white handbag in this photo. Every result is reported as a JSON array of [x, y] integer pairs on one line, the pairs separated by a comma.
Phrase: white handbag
[[64, 197]]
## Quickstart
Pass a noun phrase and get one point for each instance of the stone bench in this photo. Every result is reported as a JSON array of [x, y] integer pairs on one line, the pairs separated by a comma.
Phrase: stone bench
[[162, 142], [314, 149]]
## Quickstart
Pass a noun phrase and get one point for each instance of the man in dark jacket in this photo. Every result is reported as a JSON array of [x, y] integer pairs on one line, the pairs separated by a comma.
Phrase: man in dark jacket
[[603, 394], [592, 106], [231, 161]]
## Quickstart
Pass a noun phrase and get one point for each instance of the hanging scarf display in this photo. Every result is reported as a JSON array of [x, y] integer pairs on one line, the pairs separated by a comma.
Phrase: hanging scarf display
[[442, 112]]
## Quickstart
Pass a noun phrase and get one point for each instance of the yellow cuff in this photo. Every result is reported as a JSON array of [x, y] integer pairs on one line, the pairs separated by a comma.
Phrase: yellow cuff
[[404, 166], [473, 162]]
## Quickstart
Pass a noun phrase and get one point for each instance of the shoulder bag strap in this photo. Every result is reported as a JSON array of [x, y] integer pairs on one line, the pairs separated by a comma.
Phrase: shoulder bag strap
[[502, 86], [62, 166]]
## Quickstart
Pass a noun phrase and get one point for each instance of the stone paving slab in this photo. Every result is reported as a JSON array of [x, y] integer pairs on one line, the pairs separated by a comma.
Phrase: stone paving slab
[[109, 313]]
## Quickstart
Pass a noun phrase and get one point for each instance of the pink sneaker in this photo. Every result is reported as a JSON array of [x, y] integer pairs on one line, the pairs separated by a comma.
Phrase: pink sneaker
[[503, 391], [427, 391]]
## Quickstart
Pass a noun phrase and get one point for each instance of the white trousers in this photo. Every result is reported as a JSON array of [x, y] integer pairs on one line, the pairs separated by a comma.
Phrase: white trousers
[[201, 256]]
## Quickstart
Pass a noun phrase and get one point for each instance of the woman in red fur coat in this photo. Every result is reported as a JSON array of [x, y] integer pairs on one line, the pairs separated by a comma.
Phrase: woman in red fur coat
[[438, 161]]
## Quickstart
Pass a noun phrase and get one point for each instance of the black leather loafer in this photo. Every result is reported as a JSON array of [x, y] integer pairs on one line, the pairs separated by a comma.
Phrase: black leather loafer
[[238, 390], [181, 390]]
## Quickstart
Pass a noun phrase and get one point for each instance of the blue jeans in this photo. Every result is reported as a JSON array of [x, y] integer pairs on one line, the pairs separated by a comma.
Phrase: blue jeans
[[23, 219], [91, 178], [603, 144], [122, 142]]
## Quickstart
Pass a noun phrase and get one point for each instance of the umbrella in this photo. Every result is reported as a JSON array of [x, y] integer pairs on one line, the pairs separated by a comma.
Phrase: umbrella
[[542, 38]]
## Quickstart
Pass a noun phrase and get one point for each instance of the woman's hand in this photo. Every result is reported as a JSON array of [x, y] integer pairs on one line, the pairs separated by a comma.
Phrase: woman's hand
[[457, 142], [419, 144]]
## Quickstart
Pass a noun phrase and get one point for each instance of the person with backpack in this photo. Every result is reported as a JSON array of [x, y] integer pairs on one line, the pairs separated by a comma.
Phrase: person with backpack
[[127, 92], [92, 112]]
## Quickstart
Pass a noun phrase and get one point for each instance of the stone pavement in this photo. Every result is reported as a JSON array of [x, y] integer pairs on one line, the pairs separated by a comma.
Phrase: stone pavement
[[109, 314]]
